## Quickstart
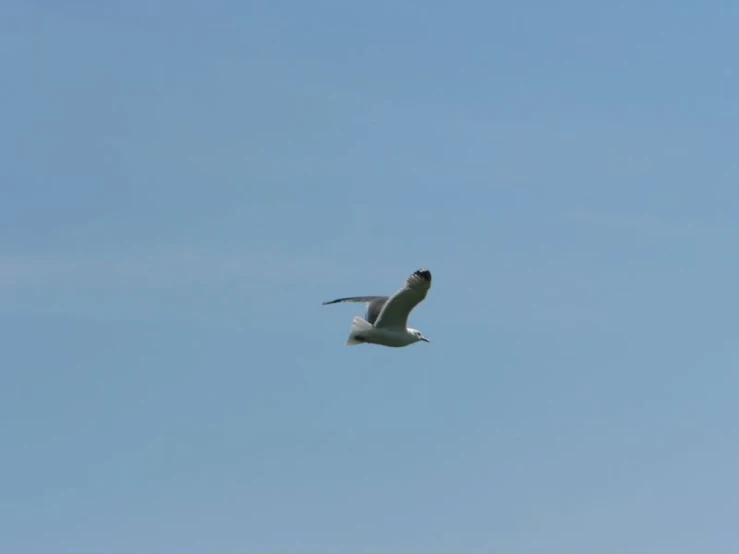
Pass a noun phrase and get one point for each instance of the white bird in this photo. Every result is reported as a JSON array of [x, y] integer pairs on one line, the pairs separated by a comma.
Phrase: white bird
[[387, 317]]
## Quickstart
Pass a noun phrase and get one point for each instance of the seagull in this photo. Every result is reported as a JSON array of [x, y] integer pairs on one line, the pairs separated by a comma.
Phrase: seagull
[[387, 316]]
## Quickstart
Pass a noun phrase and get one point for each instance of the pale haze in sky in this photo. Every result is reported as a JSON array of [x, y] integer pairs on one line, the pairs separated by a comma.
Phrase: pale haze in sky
[[184, 183]]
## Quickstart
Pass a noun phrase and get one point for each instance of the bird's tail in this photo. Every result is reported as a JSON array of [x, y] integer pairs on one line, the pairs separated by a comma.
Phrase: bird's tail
[[358, 331]]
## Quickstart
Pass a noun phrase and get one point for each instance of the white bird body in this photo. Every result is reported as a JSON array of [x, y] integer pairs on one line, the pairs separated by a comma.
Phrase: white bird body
[[387, 317], [362, 331]]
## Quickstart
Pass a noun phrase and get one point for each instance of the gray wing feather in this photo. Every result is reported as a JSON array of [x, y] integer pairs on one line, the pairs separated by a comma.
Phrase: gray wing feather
[[395, 312], [374, 305]]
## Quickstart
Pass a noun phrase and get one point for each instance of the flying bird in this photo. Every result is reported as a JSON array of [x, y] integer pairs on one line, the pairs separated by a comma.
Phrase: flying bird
[[386, 320]]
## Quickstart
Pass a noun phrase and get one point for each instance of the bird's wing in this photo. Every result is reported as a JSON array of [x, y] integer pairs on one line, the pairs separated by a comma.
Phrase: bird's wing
[[395, 312], [374, 304]]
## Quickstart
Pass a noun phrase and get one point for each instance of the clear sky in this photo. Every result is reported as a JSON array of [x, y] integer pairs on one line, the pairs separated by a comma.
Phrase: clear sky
[[183, 184]]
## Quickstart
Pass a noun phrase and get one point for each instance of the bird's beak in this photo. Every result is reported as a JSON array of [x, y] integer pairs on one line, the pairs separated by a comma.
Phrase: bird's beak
[[424, 339]]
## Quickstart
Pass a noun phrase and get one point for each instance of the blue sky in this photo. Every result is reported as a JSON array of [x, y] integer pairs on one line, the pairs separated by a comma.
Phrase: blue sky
[[183, 184]]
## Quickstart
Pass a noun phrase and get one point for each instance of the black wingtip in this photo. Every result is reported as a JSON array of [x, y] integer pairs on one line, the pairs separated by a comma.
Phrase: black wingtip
[[423, 273]]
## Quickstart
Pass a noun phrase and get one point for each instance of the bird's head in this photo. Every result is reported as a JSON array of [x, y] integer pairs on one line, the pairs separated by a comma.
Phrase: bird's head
[[419, 336]]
